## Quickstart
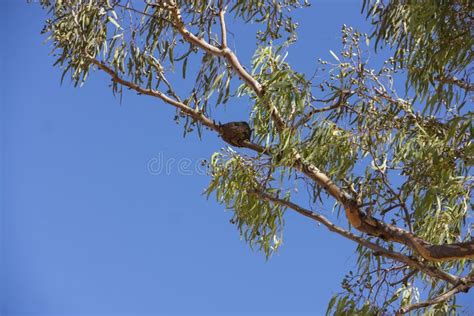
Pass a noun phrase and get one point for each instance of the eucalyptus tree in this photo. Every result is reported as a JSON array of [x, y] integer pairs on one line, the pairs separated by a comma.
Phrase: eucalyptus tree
[[389, 171]]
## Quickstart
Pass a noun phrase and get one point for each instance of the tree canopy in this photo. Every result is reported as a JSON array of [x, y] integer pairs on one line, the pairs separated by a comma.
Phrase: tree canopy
[[394, 166]]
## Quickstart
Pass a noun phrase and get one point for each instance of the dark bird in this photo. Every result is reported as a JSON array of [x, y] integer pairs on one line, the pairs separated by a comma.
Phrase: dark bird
[[235, 133]]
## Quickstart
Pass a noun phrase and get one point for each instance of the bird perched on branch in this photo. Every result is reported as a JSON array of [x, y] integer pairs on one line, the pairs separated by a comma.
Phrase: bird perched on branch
[[235, 133]]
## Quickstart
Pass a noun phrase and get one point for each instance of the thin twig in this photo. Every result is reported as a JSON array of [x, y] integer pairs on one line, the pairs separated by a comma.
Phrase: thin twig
[[405, 278], [461, 287]]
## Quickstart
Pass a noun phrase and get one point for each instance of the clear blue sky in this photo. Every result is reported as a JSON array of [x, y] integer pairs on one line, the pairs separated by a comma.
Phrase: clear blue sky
[[87, 230]]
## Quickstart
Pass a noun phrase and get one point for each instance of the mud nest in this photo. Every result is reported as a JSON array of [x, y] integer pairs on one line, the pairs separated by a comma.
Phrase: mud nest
[[236, 133]]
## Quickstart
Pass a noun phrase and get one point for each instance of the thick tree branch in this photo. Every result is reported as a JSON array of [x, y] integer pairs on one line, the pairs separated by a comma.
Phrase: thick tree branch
[[217, 51], [225, 52], [431, 271], [196, 115]]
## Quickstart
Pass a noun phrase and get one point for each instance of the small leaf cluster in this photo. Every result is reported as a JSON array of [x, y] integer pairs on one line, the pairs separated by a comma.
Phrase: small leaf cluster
[[236, 182], [273, 14], [432, 40]]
